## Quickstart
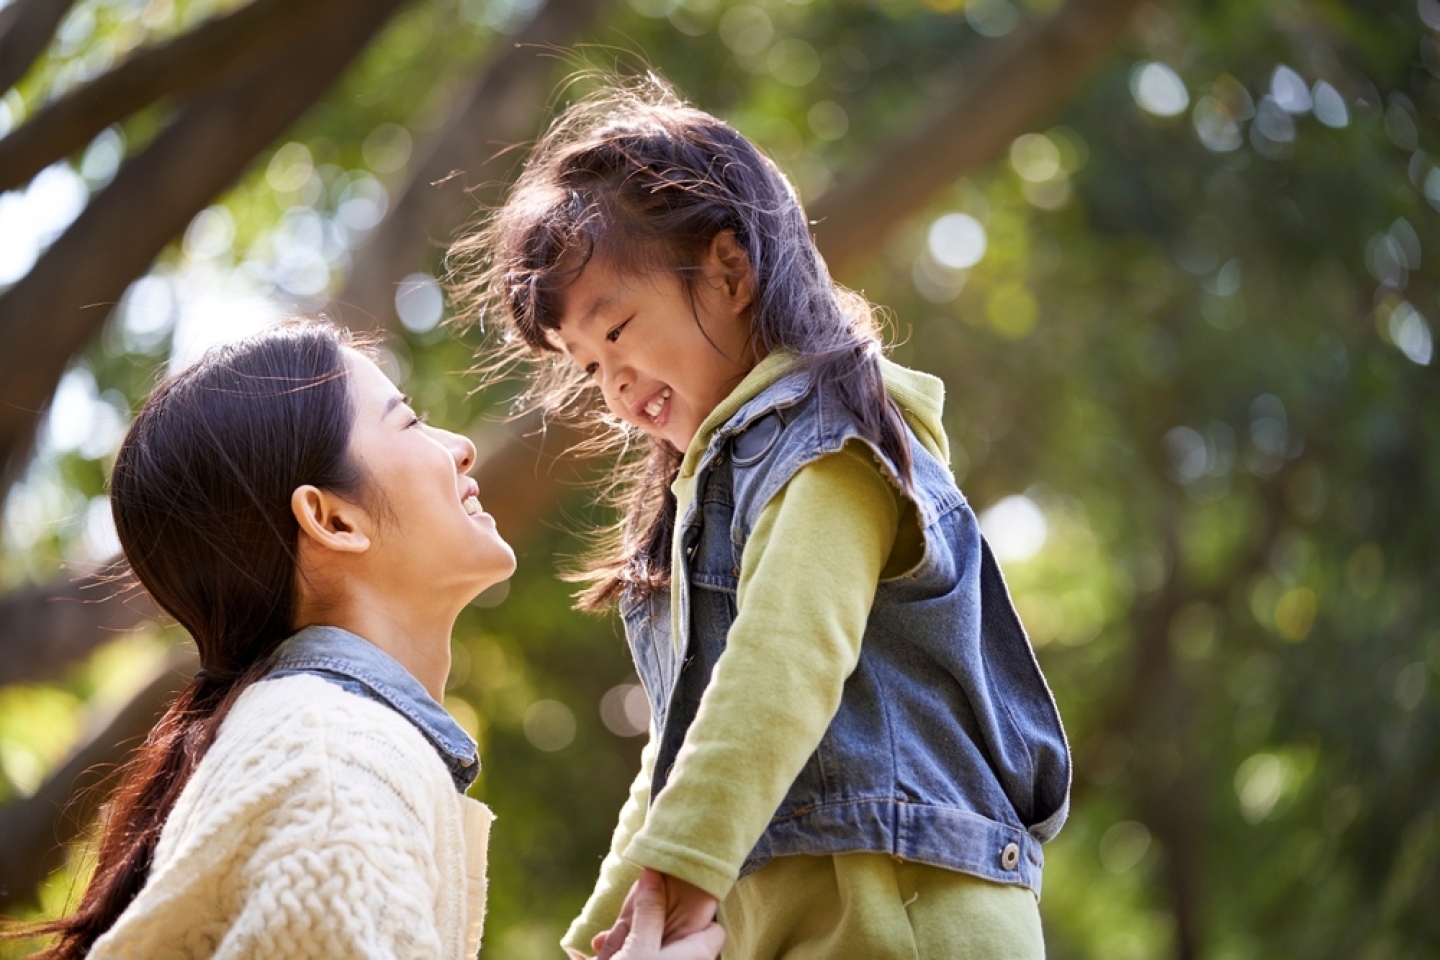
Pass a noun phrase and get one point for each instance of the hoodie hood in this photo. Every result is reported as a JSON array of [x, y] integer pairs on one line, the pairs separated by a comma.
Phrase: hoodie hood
[[921, 398]]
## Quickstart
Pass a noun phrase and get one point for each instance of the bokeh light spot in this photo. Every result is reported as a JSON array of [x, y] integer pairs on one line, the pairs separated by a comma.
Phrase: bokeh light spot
[[625, 710], [1158, 89], [549, 725], [1035, 157], [1124, 845], [387, 148], [957, 240], [1015, 527], [1295, 614], [419, 302]]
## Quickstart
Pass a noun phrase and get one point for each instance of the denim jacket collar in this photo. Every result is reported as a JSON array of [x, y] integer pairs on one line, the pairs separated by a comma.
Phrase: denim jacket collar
[[359, 666]]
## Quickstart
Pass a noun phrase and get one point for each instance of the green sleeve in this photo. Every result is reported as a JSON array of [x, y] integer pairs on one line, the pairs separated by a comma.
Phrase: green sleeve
[[616, 874], [807, 582]]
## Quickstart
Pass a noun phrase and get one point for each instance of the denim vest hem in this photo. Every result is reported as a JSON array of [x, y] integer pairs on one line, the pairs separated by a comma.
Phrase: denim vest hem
[[938, 836]]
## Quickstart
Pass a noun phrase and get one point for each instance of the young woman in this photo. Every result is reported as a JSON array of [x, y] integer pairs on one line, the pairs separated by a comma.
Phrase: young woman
[[304, 796]]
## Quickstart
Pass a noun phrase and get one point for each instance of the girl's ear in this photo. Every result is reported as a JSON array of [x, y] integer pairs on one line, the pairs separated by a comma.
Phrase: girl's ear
[[728, 262], [329, 522]]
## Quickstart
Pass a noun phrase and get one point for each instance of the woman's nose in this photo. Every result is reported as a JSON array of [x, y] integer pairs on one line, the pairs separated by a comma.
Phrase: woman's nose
[[463, 450]]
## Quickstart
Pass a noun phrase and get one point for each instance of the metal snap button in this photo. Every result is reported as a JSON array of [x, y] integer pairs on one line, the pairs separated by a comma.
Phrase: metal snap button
[[1010, 856]]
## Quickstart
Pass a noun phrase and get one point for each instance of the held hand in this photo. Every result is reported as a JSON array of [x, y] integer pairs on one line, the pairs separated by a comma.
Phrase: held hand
[[655, 904], [688, 910]]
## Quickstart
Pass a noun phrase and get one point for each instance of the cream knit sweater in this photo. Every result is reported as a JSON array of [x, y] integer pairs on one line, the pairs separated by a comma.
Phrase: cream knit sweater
[[320, 824]]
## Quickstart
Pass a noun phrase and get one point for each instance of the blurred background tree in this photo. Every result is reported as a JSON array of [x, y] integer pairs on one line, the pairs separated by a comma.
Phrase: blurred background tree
[[1170, 259]]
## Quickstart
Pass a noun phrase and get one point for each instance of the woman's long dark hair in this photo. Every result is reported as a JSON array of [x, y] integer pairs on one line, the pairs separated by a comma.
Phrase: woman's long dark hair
[[636, 176], [201, 497]]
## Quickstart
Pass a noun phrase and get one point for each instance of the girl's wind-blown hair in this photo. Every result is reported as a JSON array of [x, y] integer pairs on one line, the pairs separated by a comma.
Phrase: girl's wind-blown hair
[[634, 176], [201, 496]]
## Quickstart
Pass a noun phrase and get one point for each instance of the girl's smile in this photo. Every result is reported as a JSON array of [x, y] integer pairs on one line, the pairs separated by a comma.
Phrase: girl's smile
[[663, 356]]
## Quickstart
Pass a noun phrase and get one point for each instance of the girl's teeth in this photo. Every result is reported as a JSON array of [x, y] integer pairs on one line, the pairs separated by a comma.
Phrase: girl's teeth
[[653, 408], [471, 505]]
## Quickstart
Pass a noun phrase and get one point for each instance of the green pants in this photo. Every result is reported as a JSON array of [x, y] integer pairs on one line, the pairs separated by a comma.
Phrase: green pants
[[875, 907]]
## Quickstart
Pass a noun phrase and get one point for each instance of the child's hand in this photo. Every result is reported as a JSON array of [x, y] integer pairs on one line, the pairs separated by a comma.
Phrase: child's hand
[[655, 923]]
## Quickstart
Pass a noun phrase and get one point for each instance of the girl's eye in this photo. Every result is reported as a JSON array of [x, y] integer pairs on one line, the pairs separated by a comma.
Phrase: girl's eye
[[418, 419], [591, 369], [614, 335]]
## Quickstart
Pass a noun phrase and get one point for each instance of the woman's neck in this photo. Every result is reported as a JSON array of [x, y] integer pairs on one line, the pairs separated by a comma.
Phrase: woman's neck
[[417, 639]]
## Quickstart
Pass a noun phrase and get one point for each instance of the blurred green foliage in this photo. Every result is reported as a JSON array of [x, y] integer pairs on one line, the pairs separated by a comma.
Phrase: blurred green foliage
[[1197, 342]]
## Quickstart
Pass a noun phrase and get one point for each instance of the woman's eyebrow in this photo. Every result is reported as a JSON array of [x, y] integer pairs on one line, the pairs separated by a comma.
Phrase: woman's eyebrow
[[394, 402]]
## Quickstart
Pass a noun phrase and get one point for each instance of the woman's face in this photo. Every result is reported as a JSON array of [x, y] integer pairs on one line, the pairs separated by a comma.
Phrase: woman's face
[[430, 535]]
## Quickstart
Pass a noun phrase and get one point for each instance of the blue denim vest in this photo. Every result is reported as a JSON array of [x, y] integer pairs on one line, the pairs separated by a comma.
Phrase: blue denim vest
[[947, 748], [357, 665]]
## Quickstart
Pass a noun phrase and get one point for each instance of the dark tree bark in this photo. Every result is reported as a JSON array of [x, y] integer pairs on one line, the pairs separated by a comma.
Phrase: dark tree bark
[[55, 310], [37, 828], [51, 627], [176, 68], [26, 28], [1024, 80], [467, 163]]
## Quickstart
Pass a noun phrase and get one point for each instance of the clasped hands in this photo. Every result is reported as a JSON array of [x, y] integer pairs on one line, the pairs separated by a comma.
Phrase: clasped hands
[[663, 918]]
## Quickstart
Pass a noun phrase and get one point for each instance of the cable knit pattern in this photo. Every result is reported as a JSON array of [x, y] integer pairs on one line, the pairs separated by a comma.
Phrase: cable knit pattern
[[320, 824]]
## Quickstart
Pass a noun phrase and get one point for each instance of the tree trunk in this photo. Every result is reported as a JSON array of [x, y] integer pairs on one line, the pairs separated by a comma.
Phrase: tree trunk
[[26, 28], [1026, 79], [464, 165], [175, 68], [55, 310], [37, 828]]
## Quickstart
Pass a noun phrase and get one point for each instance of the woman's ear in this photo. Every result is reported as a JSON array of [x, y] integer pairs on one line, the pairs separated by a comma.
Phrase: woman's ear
[[329, 522], [728, 262]]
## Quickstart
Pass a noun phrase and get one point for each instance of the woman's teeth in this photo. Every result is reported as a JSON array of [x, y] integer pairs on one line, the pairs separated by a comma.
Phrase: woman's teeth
[[653, 408], [471, 505]]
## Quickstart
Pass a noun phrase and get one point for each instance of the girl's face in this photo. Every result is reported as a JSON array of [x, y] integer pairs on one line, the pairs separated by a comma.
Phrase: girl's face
[[433, 537], [661, 361]]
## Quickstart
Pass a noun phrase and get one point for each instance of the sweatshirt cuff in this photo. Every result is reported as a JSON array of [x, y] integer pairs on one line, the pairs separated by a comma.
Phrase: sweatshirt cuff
[[603, 908], [714, 876]]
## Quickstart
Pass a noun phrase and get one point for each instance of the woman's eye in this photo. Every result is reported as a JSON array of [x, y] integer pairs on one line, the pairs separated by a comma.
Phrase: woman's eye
[[418, 419]]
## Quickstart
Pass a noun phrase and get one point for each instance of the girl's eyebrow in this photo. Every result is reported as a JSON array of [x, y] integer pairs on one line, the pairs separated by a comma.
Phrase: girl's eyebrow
[[394, 402], [597, 306]]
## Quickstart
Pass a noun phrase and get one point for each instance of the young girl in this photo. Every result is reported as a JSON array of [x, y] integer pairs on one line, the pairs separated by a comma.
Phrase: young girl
[[853, 750], [304, 796]]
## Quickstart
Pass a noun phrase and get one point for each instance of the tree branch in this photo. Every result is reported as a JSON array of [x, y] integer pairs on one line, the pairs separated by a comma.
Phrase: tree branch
[[501, 108], [48, 628], [55, 310], [37, 828], [177, 67], [26, 28], [1025, 79]]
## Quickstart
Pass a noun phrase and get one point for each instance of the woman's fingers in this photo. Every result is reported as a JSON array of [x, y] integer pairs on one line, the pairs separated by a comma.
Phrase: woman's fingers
[[647, 919], [647, 928], [608, 944]]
